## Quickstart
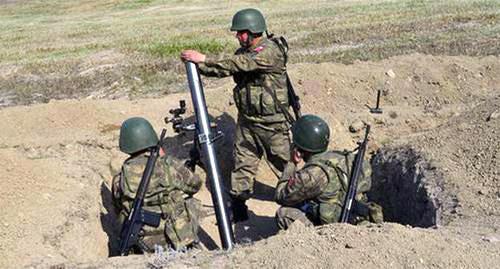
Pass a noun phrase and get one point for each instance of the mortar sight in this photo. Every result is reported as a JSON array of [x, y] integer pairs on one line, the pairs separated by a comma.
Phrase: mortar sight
[[180, 110], [177, 120]]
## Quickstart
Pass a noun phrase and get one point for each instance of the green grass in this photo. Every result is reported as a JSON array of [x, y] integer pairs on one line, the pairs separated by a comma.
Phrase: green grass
[[174, 47], [54, 40]]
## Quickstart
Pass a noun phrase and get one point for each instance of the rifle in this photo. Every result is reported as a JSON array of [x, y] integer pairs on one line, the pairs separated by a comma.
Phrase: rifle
[[353, 180], [138, 217], [293, 99]]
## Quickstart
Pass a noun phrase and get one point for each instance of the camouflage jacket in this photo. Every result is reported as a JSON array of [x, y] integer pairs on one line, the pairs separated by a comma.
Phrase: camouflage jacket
[[319, 188], [259, 73], [169, 185]]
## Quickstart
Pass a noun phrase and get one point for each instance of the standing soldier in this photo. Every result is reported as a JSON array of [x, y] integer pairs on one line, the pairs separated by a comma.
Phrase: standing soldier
[[260, 94], [169, 193], [314, 195]]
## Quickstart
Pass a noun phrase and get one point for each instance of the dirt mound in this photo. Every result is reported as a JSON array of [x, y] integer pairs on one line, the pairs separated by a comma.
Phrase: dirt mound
[[58, 159], [339, 246], [467, 150], [348, 246]]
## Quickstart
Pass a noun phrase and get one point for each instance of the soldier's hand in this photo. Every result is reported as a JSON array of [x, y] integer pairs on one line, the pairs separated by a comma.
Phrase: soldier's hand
[[192, 56]]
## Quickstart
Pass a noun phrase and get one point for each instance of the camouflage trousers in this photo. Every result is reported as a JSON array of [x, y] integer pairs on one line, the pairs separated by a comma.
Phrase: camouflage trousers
[[178, 230], [362, 213], [252, 142]]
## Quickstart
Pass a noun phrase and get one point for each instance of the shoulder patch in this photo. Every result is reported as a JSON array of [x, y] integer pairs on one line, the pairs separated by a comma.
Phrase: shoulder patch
[[259, 48]]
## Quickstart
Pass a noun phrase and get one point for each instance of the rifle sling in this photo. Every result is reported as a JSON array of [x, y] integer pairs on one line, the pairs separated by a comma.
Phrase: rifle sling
[[283, 46], [288, 116]]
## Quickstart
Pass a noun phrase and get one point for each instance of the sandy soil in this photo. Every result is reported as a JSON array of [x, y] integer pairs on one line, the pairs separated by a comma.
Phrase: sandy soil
[[58, 159]]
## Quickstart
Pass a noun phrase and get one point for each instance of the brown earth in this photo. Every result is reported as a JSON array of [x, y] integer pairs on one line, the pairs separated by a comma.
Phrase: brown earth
[[59, 157]]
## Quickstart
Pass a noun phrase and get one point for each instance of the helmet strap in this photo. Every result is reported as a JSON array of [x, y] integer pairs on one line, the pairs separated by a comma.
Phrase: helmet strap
[[249, 40], [252, 37], [140, 152], [306, 155]]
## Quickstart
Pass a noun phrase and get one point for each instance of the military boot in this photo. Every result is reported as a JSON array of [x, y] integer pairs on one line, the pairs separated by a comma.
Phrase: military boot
[[239, 210]]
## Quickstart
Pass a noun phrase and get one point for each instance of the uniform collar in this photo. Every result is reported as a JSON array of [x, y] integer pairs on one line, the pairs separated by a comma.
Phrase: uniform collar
[[317, 156]]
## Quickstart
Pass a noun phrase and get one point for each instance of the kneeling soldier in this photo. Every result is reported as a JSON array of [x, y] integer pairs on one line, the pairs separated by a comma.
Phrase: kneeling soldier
[[169, 193], [315, 193]]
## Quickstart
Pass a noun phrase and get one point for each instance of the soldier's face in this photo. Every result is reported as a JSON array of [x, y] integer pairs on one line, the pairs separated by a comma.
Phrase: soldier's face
[[244, 38]]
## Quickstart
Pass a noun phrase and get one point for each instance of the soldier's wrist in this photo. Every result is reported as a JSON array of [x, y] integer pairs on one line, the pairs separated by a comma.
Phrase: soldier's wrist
[[208, 60]]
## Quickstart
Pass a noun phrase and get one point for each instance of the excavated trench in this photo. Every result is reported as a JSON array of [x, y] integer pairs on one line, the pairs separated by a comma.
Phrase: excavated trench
[[407, 186]]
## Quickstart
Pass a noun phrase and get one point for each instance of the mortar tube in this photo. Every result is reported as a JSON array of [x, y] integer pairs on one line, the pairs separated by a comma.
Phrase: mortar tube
[[205, 139]]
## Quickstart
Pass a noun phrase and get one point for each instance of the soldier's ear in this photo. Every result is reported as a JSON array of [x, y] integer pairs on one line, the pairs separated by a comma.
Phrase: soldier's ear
[[296, 155]]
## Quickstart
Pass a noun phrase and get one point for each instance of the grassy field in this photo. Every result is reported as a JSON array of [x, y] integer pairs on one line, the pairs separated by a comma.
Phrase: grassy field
[[55, 49]]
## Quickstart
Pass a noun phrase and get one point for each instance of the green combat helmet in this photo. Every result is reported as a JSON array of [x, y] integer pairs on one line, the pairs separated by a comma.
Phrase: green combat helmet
[[137, 134], [249, 19], [311, 133]]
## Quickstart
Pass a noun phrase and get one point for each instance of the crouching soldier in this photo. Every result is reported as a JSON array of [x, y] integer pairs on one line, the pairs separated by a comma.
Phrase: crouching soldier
[[170, 191], [314, 194]]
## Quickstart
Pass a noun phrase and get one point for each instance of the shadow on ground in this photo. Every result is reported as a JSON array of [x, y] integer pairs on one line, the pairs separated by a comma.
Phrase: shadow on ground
[[109, 220], [255, 229]]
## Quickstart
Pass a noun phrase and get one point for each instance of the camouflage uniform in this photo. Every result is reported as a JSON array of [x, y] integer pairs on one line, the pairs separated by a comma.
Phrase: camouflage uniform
[[169, 192], [315, 194], [259, 73]]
